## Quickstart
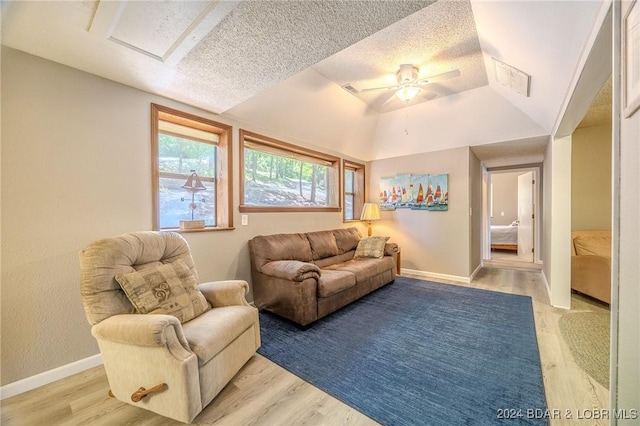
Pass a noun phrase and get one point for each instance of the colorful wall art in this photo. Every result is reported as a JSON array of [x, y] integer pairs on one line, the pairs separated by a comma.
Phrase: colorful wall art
[[415, 192]]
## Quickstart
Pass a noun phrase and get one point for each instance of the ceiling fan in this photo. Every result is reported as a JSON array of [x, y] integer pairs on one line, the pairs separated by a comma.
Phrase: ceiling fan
[[408, 83]]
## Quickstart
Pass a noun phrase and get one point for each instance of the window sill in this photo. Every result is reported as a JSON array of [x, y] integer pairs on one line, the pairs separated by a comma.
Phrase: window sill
[[265, 209], [189, 231]]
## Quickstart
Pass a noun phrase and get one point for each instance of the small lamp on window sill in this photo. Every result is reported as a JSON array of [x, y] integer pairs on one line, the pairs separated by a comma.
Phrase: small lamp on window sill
[[193, 185], [370, 212]]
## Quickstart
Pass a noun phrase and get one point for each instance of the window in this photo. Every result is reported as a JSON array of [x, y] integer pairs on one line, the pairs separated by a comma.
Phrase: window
[[190, 151], [277, 176], [354, 190]]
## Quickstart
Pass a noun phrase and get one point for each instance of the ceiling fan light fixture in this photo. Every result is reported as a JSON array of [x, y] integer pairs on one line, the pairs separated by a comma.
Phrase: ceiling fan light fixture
[[407, 93]]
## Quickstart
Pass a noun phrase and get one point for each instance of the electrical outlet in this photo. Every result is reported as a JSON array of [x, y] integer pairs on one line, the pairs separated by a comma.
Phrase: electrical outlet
[[245, 219], [501, 213]]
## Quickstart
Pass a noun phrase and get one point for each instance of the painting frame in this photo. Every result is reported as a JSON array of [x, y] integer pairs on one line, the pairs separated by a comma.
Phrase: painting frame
[[631, 60]]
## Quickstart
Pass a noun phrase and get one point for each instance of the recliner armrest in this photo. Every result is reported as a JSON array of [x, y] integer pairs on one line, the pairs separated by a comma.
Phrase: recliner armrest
[[292, 270], [141, 330], [225, 293]]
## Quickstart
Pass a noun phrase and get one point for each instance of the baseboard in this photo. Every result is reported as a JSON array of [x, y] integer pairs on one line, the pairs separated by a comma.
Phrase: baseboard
[[436, 276], [548, 287], [46, 377], [473, 274]]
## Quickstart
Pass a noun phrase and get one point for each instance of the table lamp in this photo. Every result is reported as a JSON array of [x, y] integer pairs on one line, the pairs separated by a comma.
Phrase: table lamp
[[370, 212]]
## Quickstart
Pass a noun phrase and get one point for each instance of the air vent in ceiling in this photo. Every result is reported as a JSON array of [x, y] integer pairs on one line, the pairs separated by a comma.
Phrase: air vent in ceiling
[[512, 78], [349, 88]]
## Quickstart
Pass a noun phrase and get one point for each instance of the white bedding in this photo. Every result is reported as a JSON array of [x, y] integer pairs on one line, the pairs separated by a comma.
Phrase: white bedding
[[504, 234]]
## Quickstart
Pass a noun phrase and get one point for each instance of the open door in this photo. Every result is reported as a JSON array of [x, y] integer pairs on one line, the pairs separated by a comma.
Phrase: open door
[[525, 217]]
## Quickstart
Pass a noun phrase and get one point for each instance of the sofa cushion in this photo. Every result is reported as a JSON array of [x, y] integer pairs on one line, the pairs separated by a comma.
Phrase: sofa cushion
[[332, 282], [365, 268], [323, 244], [214, 330], [371, 247], [166, 289], [267, 248], [327, 261], [592, 245], [347, 239]]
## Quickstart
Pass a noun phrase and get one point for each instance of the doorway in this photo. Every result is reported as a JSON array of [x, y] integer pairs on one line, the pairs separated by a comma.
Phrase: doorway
[[512, 214]]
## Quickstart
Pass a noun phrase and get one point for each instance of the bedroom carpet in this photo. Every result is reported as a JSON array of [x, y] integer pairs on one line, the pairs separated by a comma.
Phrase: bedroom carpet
[[421, 353], [588, 337]]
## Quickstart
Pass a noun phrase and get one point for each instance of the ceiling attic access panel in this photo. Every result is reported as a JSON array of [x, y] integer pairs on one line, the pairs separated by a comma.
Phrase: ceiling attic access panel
[[165, 31]]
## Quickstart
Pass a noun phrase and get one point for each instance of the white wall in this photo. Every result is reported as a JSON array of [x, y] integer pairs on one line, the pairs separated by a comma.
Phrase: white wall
[[463, 119], [76, 167], [625, 392], [556, 254]]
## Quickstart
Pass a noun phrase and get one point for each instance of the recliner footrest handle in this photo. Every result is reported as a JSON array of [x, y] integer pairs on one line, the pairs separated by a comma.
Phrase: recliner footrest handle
[[142, 392]]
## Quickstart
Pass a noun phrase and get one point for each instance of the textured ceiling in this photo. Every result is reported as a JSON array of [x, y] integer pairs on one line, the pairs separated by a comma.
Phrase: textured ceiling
[[222, 62], [600, 110], [262, 42], [279, 65], [429, 39]]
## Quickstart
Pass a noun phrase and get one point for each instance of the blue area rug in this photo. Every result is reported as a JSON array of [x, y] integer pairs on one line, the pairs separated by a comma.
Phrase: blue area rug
[[421, 353]]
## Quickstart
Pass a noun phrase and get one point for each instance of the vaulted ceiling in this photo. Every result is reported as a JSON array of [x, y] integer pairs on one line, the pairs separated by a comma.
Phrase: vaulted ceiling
[[280, 65]]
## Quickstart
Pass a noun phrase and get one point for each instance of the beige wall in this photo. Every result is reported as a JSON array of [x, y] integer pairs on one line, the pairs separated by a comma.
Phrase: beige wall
[[505, 197], [475, 216], [435, 242], [76, 167], [591, 178]]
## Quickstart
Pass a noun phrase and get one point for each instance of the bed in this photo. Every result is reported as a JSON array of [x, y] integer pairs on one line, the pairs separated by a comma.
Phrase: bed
[[504, 237]]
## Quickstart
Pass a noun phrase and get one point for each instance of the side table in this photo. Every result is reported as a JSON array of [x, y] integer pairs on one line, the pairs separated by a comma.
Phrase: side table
[[398, 262]]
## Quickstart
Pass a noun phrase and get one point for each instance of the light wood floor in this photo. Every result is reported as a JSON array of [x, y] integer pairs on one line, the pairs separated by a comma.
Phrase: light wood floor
[[263, 393]]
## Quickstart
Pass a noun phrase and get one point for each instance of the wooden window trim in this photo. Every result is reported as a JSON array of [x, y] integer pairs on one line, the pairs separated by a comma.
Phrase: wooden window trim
[[266, 140], [359, 182], [224, 166]]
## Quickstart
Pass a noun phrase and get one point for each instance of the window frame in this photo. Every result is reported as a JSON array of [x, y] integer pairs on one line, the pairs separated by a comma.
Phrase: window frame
[[336, 165], [359, 186], [223, 167]]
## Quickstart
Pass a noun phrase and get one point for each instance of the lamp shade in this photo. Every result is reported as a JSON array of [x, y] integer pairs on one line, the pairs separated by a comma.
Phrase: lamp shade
[[370, 211]]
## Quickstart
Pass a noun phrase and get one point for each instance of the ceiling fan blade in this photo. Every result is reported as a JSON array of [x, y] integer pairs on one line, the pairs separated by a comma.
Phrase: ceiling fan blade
[[388, 98], [371, 89], [429, 95], [439, 77]]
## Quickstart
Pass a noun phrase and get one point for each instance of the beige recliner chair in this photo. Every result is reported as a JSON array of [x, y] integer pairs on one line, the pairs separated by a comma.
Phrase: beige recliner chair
[[171, 364]]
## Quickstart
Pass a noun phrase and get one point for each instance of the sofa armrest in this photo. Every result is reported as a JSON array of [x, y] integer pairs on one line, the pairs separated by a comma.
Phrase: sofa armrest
[[141, 330], [587, 262], [292, 270], [591, 275], [390, 249], [225, 293]]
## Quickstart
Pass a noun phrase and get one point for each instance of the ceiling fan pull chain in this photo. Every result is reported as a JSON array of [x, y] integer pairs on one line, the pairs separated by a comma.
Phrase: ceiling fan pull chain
[[406, 122]]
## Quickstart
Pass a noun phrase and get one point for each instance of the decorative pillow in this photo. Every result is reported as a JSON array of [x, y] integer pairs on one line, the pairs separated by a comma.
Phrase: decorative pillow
[[167, 289], [371, 247]]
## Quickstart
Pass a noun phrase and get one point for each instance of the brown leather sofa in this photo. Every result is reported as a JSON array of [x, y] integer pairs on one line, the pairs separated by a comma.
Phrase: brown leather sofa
[[591, 263], [304, 277]]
